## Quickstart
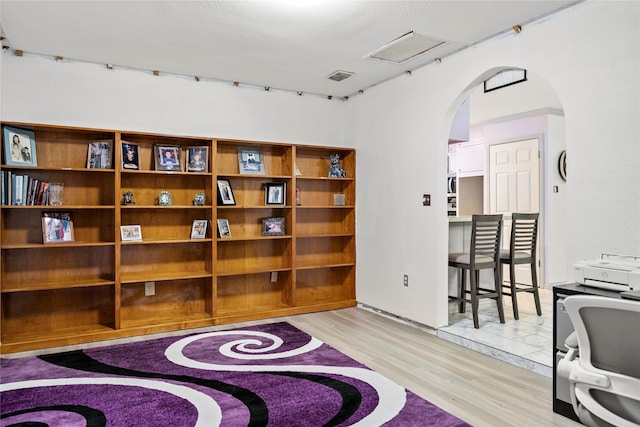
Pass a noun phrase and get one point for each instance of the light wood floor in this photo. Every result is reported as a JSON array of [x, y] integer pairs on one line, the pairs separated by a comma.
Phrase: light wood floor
[[476, 388]]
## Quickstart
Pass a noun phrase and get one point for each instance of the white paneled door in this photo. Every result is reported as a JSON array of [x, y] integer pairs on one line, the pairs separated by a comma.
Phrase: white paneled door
[[514, 186]]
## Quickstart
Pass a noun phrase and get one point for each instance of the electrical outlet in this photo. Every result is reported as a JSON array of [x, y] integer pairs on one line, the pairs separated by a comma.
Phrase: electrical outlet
[[406, 280], [149, 289], [426, 200]]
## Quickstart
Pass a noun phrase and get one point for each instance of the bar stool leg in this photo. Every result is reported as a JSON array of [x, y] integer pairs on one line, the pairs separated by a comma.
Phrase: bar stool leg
[[462, 291], [514, 293], [536, 295], [474, 297], [498, 285]]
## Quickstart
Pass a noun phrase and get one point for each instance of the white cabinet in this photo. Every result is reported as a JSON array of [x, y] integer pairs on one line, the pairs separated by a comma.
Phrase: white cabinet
[[469, 159]]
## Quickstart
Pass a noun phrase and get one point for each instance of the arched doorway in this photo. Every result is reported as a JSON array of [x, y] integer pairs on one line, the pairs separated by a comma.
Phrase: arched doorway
[[518, 112]]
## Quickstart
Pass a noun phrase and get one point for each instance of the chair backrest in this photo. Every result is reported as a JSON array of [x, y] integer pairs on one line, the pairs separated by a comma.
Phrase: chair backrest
[[609, 345], [524, 234], [486, 232]]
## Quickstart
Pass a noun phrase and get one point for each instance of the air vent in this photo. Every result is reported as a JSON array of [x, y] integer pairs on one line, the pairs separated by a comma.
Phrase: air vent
[[338, 76], [404, 48]]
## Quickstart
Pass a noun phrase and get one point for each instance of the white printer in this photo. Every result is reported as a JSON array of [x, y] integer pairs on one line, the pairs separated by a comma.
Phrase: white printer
[[615, 272]]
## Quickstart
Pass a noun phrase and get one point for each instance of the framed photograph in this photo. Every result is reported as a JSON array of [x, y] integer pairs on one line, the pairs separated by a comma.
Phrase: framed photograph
[[19, 147], [167, 158], [225, 193], [131, 233], [199, 229], [57, 227], [273, 226], [198, 159], [223, 228], [250, 161], [130, 155], [99, 155], [275, 194]]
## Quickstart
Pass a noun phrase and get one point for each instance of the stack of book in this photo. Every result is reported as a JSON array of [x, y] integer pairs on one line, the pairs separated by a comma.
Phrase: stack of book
[[23, 190]]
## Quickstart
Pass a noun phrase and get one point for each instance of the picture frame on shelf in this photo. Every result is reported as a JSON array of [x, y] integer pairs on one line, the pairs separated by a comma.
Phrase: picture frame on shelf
[[57, 227], [167, 158], [274, 226], [19, 147], [131, 233], [224, 231], [198, 159], [225, 192], [99, 155], [130, 156], [199, 228], [339, 199], [250, 161], [275, 194]]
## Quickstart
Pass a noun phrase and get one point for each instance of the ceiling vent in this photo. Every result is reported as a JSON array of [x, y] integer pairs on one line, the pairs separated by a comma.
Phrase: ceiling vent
[[405, 48], [338, 76]]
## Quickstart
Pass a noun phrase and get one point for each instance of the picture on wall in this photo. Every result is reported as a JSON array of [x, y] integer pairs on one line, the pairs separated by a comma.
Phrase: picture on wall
[[99, 155], [167, 158], [250, 161], [19, 147], [130, 156]]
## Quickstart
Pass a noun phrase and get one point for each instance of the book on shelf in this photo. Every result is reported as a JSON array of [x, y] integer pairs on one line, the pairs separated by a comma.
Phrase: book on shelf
[[23, 190]]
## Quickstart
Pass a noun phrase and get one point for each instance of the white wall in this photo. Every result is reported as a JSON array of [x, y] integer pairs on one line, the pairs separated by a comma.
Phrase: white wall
[[41, 90], [590, 55]]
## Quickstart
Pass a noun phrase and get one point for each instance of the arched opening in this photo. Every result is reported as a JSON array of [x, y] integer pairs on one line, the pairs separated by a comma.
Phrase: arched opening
[[527, 111]]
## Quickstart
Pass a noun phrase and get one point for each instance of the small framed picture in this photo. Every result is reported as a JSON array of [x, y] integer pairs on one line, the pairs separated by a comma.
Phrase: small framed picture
[[167, 158], [273, 226], [99, 155], [250, 161], [199, 229], [225, 193], [131, 233], [19, 147], [57, 227], [223, 228], [275, 193], [130, 155], [198, 159]]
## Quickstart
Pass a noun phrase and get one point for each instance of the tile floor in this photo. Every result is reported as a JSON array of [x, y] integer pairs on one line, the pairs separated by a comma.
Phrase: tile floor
[[526, 342]]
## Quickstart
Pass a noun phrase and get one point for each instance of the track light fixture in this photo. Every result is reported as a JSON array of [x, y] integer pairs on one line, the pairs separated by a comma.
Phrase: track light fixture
[[437, 60], [517, 29], [197, 78], [408, 72], [299, 93], [267, 88], [110, 66], [235, 84]]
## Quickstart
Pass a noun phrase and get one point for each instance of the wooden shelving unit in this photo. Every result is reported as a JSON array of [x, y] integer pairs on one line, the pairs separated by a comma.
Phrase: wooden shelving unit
[[100, 287]]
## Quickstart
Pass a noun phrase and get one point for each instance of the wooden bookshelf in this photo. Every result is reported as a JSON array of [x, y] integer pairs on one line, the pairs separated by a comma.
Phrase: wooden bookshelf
[[100, 287]]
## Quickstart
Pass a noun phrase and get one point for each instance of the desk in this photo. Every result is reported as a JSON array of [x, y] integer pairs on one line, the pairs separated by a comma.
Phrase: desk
[[562, 327]]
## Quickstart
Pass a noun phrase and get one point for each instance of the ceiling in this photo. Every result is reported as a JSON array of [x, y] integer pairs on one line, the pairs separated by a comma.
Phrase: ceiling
[[289, 45]]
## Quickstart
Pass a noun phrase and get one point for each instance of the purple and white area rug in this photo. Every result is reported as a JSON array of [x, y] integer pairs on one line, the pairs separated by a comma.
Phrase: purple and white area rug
[[267, 375]]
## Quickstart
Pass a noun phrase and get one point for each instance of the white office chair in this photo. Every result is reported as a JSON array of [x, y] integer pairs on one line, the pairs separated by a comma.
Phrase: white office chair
[[603, 361]]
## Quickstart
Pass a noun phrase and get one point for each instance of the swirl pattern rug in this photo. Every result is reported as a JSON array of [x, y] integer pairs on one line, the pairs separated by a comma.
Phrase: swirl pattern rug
[[267, 375]]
